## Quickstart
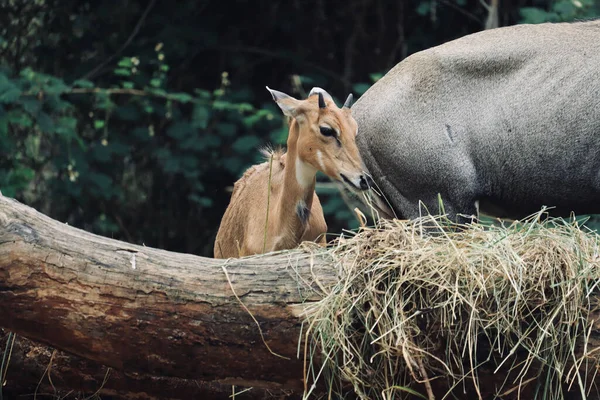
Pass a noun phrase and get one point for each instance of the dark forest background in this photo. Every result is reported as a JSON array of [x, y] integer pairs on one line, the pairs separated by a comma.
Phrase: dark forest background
[[132, 119]]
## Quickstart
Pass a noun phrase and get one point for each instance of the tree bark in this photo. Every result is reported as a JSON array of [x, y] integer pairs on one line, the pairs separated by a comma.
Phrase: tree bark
[[152, 312], [168, 324], [43, 372]]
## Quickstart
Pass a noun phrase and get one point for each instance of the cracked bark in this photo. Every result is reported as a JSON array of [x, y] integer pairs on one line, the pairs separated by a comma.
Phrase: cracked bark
[[167, 324], [39, 370], [145, 311]]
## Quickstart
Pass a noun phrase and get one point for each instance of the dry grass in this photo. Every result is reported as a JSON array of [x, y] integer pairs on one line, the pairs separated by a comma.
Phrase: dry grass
[[410, 307]]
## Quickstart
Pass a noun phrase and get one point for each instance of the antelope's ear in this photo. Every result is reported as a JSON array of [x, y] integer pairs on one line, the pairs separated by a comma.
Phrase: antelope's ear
[[288, 104]]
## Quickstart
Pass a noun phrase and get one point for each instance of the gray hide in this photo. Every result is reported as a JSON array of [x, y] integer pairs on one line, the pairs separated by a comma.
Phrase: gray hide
[[508, 118]]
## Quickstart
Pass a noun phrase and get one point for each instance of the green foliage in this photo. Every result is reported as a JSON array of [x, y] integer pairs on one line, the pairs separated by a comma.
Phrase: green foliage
[[15, 180], [561, 11], [102, 145], [139, 134]]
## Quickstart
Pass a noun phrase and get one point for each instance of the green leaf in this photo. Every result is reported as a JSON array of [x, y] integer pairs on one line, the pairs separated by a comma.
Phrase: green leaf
[[66, 127], [424, 8], [180, 130], [233, 165], [376, 76], [98, 123], [155, 82], [192, 144], [10, 95], [279, 136], [122, 72], [28, 74], [15, 180], [171, 165], [83, 83], [534, 15], [127, 84], [103, 101], [203, 94], [221, 105], [360, 88], [198, 186], [45, 122], [306, 80], [18, 117], [55, 86], [125, 62], [32, 146], [200, 116], [54, 103], [3, 132], [246, 144], [181, 97], [128, 112], [101, 181], [119, 148], [227, 129], [101, 153], [158, 92], [201, 200], [244, 107], [141, 133], [329, 207], [31, 104], [566, 8], [251, 120], [210, 141], [189, 164]]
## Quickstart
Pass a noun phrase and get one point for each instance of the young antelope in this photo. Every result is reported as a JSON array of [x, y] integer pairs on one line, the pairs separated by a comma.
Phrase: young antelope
[[274, 205]]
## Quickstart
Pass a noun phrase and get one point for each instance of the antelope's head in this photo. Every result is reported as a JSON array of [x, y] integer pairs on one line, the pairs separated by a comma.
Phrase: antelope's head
[[324, 136]]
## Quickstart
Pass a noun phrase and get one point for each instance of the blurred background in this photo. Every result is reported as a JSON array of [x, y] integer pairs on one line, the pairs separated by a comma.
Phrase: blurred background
[[132, 119]]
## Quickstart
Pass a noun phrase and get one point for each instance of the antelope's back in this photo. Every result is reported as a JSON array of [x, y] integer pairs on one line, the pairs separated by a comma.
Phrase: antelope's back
[[240, 221], [511, 115]]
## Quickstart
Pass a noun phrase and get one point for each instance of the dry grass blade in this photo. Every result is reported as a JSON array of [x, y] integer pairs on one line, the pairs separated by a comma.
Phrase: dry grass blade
[[413, 307]]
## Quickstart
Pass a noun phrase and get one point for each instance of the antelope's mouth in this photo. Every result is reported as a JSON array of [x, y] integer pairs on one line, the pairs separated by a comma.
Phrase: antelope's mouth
[[363, 182]]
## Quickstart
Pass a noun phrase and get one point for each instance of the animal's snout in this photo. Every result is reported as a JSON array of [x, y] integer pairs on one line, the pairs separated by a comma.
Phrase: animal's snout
[[362, 182], [365, 182]]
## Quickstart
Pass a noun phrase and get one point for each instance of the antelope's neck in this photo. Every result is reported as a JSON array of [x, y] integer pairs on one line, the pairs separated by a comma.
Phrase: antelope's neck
[[298, 187]]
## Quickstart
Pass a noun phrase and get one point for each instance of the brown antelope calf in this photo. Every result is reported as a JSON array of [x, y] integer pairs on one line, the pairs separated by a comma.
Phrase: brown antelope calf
[[274, 205]]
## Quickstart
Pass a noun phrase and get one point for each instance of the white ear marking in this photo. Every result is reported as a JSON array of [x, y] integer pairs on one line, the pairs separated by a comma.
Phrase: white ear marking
[[288, 108], [277, 95]]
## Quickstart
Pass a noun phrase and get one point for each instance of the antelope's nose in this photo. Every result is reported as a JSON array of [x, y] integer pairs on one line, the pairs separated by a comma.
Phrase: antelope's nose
[[365, 182]]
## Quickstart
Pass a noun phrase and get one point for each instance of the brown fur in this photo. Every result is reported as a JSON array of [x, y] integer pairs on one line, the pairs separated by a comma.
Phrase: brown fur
[[242, 228], [261, 217]]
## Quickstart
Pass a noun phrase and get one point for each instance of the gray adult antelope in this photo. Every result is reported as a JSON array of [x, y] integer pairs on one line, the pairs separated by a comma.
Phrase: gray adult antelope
[[274, 205], [505, 120]]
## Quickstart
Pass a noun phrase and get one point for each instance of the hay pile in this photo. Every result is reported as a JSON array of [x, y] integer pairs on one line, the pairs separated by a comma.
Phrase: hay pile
[[414, 312]]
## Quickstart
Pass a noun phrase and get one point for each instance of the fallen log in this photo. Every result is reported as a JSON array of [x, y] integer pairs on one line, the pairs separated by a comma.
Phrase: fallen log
[[153, 312], [43, 372], [163, 320]]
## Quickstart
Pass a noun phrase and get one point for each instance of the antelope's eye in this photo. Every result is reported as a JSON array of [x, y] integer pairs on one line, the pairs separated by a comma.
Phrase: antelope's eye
[[327, 131]]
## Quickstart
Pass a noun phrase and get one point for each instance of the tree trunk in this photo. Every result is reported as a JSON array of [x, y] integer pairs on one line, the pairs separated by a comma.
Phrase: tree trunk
[[168, 324], [146, 311], [44, 372]]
